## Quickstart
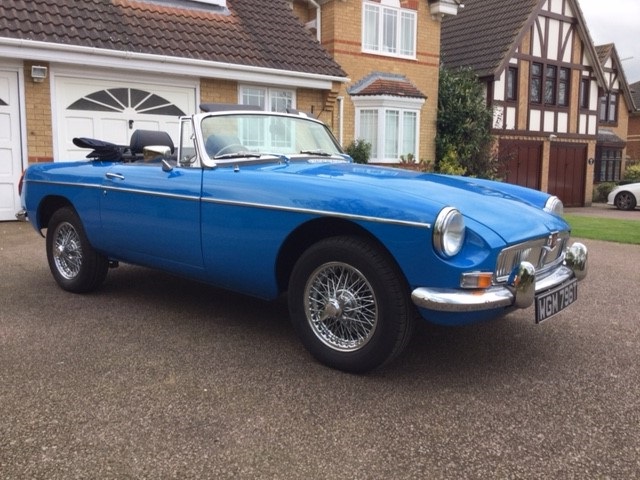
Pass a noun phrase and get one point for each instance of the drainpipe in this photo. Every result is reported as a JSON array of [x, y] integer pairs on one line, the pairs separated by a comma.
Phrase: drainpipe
[[340, 121]]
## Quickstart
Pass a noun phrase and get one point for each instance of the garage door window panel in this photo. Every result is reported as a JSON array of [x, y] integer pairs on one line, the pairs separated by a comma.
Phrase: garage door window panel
[[122, 99]]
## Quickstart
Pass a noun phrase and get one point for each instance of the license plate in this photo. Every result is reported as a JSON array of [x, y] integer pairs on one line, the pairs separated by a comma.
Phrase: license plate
[[554, 301]]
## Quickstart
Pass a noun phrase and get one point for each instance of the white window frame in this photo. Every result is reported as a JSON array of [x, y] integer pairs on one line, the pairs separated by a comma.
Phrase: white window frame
[[268, 94], [268, 97], [374, 39], [383, 104]]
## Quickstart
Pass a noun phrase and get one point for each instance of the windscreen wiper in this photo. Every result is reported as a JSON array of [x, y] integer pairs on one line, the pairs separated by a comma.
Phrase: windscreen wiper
[[241, 154], [318, 152]]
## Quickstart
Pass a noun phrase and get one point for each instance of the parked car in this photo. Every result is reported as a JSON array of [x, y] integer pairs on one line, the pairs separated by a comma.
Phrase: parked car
[[625, 197], [267, 203]]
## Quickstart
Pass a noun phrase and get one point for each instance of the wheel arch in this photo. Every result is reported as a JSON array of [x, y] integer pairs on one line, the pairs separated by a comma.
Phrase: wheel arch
[[313, 231], [48, 206]]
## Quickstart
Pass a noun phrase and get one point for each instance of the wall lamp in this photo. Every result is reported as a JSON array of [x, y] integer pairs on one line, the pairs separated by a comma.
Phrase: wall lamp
[[38, 73]]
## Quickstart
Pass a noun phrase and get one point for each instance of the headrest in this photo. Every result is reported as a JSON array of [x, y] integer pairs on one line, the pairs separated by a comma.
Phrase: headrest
[[144, 138]]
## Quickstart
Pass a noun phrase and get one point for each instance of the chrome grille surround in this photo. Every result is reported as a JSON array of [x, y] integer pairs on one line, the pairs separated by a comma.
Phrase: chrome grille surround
[[543, 253]]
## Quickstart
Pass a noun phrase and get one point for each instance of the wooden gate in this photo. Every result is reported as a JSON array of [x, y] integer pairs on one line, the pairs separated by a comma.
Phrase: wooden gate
[[567, 173]]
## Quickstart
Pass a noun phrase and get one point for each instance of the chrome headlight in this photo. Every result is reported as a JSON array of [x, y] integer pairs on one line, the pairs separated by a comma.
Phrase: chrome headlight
[[554, 205], [448, 232]]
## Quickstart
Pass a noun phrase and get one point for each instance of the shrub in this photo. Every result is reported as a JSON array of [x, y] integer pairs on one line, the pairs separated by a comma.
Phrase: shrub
[[359, 150], [450, 164], [632, 174], [602, 191]]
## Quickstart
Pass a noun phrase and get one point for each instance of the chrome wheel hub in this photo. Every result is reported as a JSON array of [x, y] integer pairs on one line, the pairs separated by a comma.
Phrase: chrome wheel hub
[[341, 306]]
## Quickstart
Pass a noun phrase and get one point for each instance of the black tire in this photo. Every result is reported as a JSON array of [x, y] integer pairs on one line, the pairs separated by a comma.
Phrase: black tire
[[625, 201], [350, 305], [75, 265]]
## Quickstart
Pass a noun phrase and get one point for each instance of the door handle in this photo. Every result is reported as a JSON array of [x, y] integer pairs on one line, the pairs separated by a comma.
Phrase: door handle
[[114, 176]]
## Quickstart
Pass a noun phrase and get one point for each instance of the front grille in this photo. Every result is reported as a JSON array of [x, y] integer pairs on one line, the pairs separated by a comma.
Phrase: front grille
[[543, 253]]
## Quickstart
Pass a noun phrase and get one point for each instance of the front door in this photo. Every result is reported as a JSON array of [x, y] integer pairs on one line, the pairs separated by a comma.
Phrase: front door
[[10, 145]]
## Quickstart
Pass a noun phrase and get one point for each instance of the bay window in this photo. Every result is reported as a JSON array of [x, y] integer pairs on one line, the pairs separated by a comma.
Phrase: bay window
[[390, 126]]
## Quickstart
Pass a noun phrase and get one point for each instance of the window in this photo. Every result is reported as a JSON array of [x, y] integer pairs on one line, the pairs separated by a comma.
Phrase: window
[[550, 85], [608, 164], [563, 87], [512, 84], [609, 108], [388, 31], [535, 89], [269, 99], [556, 85], [585, 87], [392, 131]]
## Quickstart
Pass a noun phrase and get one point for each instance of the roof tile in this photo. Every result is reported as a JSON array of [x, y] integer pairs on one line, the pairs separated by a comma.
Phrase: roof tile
[[251, 32]]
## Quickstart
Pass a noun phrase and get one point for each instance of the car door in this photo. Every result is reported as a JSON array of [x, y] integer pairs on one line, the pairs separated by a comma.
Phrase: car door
[[151, 216]]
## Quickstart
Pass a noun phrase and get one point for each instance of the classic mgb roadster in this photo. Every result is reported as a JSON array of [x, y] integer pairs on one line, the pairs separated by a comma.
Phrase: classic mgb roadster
[[267, 203]]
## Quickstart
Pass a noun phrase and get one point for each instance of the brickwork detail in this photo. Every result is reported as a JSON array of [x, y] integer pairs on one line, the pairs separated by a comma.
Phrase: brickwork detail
[[38, 116]]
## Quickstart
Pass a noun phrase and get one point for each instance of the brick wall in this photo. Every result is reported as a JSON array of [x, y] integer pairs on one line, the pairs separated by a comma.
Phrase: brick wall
[[38, 116], [633, 139], [341, 36], [218, 91]]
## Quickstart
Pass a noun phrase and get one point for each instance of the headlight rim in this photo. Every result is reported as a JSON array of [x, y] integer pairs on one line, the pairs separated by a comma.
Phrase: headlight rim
[[441, 226], [554, 206]]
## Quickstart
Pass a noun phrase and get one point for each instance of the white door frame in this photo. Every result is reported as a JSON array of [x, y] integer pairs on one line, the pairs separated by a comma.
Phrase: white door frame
[[17, 68]]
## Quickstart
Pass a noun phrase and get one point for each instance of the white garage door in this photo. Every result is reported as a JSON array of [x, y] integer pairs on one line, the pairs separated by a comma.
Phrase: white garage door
[[112, 110], [10, 145]]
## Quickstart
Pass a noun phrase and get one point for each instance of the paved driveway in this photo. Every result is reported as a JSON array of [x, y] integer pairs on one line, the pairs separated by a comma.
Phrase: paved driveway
[[156, 377]]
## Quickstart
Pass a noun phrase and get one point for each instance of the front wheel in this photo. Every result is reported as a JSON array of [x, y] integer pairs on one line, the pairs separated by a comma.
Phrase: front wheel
[[75, 265], [349, 304], [625, 201]]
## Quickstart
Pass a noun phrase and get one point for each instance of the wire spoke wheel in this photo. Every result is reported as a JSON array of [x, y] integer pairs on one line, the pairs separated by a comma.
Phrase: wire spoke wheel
[[67, 250], [341, 306], [74, 263], [349, 304]]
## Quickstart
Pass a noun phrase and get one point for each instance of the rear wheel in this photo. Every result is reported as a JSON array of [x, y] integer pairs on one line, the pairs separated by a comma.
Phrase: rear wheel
[[625, 201], [75, 265], [349, 304]]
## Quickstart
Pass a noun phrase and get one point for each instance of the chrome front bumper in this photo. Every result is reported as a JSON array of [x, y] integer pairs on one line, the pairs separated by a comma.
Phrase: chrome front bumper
[[519, 291]]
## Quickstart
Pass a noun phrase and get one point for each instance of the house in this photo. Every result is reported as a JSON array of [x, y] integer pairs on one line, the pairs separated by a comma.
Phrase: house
[[544, 80], [633, 137], [614, 110], [390, 50], [103, 68]]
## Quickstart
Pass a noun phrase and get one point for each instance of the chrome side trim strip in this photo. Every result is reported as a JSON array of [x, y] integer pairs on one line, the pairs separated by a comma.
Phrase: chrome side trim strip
[[324, 213]]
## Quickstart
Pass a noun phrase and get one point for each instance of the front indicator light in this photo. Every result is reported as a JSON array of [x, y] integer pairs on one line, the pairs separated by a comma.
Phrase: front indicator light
[[476, 280]]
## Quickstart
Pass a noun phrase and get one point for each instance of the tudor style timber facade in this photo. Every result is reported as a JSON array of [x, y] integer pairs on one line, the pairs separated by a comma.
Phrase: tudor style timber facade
[[544, 81], [633, 139], [614, 110]]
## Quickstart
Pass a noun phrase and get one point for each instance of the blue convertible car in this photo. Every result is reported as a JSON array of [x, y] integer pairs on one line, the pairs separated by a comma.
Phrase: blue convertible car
[[268, 203]]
